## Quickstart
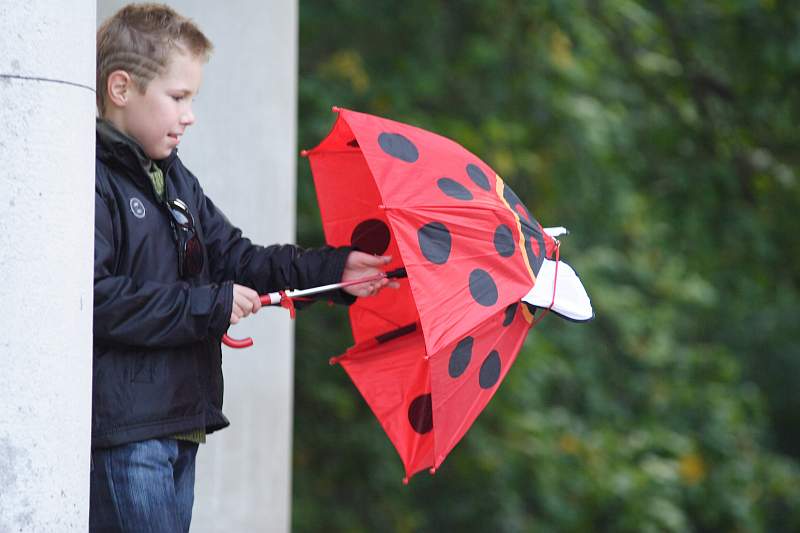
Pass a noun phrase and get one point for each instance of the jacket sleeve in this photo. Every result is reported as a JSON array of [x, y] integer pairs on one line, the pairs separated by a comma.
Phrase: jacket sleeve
[[268, 268], [147, 313]]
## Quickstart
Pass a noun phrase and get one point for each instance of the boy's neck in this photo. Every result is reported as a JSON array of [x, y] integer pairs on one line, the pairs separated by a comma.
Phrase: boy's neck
[[113, 129], [117, 120]]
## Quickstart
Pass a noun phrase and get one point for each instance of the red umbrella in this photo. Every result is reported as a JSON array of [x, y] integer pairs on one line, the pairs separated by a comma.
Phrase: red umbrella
[[429, 356]]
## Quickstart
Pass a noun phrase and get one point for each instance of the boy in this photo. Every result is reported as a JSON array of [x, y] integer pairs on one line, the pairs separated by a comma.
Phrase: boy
[[171, 274]]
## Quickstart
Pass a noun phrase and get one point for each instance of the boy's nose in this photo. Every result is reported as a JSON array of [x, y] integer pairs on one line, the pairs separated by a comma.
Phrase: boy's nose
[[187, 118]]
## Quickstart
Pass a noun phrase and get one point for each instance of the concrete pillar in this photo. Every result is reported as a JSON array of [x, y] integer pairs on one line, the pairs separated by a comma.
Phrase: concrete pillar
[[243, 150], [47, 105]]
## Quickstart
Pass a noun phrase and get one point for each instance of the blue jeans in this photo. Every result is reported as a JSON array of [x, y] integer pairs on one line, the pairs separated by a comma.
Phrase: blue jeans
[[142, 486]]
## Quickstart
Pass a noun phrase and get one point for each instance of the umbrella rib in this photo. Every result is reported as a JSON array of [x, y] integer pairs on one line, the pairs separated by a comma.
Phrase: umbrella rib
[[440, 207], [383, 317], [331, 151]]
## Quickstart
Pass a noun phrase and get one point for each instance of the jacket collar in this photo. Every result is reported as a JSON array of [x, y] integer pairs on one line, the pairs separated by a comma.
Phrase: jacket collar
[[121, 151]]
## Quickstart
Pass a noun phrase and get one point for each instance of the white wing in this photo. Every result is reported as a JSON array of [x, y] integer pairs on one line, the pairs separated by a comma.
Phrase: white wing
[[571, 299]]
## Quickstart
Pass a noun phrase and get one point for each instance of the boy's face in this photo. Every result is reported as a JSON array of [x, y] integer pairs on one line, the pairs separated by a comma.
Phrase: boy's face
[[158, 118]]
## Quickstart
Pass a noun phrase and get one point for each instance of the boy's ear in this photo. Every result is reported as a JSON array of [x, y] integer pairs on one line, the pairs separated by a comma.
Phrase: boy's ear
[[119, 86]]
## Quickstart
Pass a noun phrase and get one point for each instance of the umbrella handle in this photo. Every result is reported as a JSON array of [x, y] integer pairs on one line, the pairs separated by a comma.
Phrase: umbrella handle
[[237, 343], [275, 298], [267, 299]]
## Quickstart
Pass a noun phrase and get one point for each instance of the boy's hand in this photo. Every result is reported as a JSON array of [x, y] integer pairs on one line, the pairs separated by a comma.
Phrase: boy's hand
[[362, 265], [245, 301]]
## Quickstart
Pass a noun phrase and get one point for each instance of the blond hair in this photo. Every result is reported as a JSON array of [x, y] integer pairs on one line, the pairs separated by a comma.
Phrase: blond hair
[[139, 39]]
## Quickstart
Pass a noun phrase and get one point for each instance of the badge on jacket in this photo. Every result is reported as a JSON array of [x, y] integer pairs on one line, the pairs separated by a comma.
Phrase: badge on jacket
[[137, 207]]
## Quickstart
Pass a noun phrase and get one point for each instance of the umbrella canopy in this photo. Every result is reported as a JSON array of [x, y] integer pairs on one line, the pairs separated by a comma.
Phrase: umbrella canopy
[[430, 355]]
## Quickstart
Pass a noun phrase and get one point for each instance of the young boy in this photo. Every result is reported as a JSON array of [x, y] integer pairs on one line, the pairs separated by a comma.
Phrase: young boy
[[171, 274]]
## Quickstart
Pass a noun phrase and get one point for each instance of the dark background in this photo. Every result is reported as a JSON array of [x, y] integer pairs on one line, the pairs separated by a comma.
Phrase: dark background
[[664, 135]]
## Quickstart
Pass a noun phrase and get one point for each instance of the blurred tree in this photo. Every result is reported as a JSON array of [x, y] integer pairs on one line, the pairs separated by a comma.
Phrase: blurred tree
[[663, 133]]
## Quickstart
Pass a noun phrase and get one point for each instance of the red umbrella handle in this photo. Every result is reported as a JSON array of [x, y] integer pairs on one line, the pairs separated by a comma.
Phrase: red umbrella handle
[[248, 341], [237, 343], [285, 300]]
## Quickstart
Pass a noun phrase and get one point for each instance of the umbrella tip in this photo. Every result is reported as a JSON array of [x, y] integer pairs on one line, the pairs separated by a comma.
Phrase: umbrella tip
[[556, 231], [336, 108], [405, 480], [432, 470], [304, 153]]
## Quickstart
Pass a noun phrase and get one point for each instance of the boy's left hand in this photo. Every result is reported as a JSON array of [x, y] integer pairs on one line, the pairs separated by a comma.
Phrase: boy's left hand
[[362, 265]]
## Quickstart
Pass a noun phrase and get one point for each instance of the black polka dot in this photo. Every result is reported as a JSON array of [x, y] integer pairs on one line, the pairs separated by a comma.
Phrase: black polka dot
[[490, 370], [504, 241], [533, 237], [420, 414], [530, 230], [454, 189], [371, 236], [434, 242], [477, 176], [459, 359], [398, 146], [511, 312], [516, 204], [482, 287]]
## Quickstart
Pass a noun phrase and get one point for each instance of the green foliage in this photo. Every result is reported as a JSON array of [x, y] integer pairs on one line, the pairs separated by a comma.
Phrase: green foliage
[[664, 135]]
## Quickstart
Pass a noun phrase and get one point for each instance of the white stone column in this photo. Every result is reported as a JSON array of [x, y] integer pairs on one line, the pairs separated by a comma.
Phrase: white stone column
[[47, 110], [243, 150]]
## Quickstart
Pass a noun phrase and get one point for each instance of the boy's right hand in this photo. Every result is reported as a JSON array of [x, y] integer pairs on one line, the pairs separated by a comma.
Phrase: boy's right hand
[[245, 301]]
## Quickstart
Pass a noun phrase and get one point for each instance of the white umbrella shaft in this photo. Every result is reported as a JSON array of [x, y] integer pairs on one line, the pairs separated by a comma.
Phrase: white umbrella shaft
[[275, 297]]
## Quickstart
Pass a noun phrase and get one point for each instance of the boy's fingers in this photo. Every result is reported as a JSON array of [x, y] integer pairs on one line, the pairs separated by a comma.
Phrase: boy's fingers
[[373, 288], [243, 305], [256, 301], [246, 299], [379, 260], [374, 260]]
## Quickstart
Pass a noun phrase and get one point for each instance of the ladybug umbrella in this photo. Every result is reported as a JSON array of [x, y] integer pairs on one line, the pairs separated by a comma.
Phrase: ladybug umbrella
[[430, 355]]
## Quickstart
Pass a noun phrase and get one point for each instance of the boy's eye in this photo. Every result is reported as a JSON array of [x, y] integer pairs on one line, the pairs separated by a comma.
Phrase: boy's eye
[[177, 98]]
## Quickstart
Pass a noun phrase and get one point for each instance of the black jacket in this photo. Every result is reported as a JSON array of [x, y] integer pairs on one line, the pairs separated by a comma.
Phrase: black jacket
[[157, 357]]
